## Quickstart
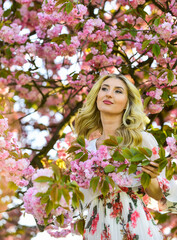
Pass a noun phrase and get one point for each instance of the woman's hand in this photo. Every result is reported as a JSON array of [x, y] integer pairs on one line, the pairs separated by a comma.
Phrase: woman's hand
[[151, 169], [153, 190]]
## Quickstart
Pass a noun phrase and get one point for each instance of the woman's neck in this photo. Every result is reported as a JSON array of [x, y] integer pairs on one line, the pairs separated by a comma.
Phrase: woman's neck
[[110, 125]]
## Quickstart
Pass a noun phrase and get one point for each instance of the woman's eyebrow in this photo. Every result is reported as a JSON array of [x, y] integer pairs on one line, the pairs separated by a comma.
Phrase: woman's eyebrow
[[106, 85]]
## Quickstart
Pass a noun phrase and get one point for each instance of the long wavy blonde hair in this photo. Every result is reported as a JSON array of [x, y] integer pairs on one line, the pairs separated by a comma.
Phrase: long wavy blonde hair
[[133, 121]]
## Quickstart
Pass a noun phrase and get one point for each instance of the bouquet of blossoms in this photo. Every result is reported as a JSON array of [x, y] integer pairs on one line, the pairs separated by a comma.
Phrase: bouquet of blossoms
[[55, 193], [111, 165]]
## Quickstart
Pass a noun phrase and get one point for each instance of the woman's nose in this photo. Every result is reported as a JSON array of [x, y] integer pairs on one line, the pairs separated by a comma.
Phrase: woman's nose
[[108, 93]]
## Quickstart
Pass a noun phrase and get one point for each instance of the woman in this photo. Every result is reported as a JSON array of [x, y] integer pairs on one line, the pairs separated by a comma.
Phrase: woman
[[114, 107]]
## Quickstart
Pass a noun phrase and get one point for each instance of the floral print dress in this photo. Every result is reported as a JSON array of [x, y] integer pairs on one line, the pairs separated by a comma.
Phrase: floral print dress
[[122, 215]]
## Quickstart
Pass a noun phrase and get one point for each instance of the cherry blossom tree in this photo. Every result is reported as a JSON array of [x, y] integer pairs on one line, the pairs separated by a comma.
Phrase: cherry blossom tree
[[51, 54]]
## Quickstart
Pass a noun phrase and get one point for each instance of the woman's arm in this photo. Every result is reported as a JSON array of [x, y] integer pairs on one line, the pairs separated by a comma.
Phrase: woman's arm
[[153, 190]]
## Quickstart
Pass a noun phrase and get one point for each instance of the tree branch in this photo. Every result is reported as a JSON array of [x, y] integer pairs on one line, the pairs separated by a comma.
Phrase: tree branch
[[36, 161]]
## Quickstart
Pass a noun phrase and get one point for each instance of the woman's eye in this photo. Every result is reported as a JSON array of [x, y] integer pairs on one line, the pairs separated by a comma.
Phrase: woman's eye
[[104, 89], [118, 91]]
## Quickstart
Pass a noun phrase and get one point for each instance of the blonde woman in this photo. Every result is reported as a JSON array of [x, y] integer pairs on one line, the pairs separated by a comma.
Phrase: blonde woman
[[114, 107]]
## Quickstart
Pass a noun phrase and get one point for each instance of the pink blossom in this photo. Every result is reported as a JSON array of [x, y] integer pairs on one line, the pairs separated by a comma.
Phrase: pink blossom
[[134, 217], [149, 232], [3, 125], [172, 147], [155, 94], [33, 206], [42, 186], [165, 30], [55, 31], [155, 108], [173, 7], [1, 12], [62, 233]]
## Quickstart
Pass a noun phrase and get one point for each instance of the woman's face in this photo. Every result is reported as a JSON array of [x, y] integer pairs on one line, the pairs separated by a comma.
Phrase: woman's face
[[112, 97]]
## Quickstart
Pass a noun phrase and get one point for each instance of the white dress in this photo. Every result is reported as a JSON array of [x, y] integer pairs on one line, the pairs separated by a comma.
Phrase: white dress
[[122, 215]]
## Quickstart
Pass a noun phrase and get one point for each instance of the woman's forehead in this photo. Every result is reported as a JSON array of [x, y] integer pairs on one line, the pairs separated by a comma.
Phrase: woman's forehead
[[115, 82]]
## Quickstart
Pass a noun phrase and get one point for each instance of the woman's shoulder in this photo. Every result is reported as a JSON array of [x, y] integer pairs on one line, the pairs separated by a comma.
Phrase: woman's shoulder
[[91, 145], [148, 140]]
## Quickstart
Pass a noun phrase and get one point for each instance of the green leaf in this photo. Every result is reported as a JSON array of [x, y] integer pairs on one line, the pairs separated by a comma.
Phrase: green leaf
[[145, 180], [127, 154], [121, 168], [78, 155], [60, 38], [59, 194], [137, 158], [69, 7], [169, 173], [44, 199], [66, 195], [104, 47], [12, 186], [111, 142], [157, 22], [60, 219], [14, 154], [56, 170], [162, 152], [68, 39], [119, 140], [49, 207], [8, 53], [138, 175], [89, 57], [73, 149], [172, 48], [162, 165], [54, 194], [142, 13], [145, 163], [170, 76], [75, 201], [105, 188], [133, 32], [109, 180], [39, 194], [146, 101], [79, 26], [124, 31], [80, 226], [109, 168], [84, 157], [44, 179], [145, 151], [26, 155], [162, 43], [61, 2], [161, 217], [80, 195], [132, 168], [118, 157], [7, 12], [81, 141], [94, 183], [156, 49]]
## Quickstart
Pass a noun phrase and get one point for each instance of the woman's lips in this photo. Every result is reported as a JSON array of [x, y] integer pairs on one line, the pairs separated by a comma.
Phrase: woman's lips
[[107, 102]]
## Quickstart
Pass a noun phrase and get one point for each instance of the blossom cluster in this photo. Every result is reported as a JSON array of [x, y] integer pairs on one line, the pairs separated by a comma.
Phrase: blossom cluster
[[34, 206], [83, 171], [172, 146], [13, 166]]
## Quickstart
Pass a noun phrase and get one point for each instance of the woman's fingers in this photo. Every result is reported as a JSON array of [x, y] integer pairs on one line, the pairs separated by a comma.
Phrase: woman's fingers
[[150, 172], [154, 164], [152, 169]]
